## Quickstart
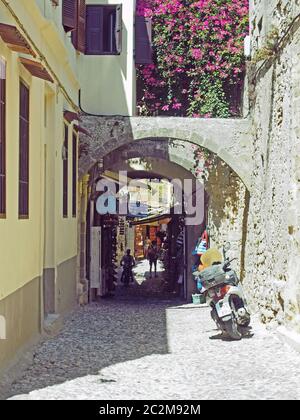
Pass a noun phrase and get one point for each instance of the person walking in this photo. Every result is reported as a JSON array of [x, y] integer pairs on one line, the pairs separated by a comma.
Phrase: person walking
[[152, 256], [147, 244], [128, 262]]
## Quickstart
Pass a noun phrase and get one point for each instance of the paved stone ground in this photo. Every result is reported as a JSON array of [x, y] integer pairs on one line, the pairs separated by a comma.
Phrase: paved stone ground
[[132, 348], [147, 284]]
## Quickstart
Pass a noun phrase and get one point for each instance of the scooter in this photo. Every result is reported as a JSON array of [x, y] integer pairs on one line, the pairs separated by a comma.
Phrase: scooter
[[224, 293]]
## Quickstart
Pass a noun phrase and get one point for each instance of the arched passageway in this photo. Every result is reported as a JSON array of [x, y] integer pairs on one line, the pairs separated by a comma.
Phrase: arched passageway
[[176, 158]]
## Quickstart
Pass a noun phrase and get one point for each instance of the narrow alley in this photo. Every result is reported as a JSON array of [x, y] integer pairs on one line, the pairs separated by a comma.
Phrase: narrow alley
[[156, 349], [149, 200]]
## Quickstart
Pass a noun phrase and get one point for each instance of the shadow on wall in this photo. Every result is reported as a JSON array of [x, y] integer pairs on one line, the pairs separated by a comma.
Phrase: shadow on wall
[[124, 56], [224, 189], [228, 211], [94, 338]]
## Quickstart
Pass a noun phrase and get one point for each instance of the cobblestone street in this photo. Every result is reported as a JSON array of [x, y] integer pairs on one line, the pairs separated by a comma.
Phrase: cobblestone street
[[129, 348]]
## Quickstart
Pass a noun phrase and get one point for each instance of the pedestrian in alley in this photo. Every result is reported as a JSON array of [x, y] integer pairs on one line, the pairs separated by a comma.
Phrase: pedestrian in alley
[[128, 262], [147, 244], [152, 256]]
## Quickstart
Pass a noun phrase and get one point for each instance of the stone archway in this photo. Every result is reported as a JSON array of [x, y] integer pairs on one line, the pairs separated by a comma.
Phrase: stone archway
[[229, 139], [114, 140], [177, 152], [228, 195]]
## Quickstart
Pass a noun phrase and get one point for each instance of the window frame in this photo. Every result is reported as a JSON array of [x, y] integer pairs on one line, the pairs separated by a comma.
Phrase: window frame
[[3, 102], [65, 172], [101, 52], [21, 213], [74, 173]]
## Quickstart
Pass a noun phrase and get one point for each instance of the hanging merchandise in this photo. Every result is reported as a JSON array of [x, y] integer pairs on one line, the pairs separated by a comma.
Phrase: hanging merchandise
[[180, 240], [202, 247], [202, 244]]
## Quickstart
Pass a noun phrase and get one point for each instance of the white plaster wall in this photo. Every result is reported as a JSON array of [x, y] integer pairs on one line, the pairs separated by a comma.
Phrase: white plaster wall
[[108, 83]]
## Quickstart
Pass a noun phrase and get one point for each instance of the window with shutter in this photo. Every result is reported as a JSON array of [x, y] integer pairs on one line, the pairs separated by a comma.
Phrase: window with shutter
[[143, 40], [69, 15], [24, 152], [65, 170], [2, 137], [78, 35], [74, 175], [103, 30]]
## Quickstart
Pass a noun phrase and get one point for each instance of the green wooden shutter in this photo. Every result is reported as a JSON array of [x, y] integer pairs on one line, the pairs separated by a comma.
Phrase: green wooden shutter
[[69, 14], [118, 29], [143, 40]]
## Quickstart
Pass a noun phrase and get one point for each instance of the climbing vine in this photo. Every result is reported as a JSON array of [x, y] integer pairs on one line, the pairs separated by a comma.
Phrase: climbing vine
[[198, 57], [268, 50]]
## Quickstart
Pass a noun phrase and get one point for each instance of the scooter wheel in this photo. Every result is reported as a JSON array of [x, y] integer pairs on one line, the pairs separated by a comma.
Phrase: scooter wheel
[[232, 330]]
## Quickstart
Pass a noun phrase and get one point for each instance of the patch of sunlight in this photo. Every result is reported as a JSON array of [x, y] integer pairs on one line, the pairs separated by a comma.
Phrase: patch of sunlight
[[140, 280], [142, 271]]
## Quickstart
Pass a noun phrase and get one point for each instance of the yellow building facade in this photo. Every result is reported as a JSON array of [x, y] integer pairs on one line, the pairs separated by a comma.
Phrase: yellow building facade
[[38, 250], [51, 69]]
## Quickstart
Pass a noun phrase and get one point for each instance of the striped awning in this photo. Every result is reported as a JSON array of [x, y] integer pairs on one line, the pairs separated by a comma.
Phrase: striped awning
[[165, 218], [15, 40]]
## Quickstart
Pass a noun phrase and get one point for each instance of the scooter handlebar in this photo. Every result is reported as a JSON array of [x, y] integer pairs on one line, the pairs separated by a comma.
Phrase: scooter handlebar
[[228, 263]]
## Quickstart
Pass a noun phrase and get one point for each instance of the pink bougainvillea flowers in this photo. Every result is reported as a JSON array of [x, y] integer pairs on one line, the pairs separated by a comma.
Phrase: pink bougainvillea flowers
[[198, 47]]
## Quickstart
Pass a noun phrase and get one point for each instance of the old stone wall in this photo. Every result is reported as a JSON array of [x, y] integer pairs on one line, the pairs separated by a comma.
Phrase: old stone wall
[[227, 210], [272, 256]]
